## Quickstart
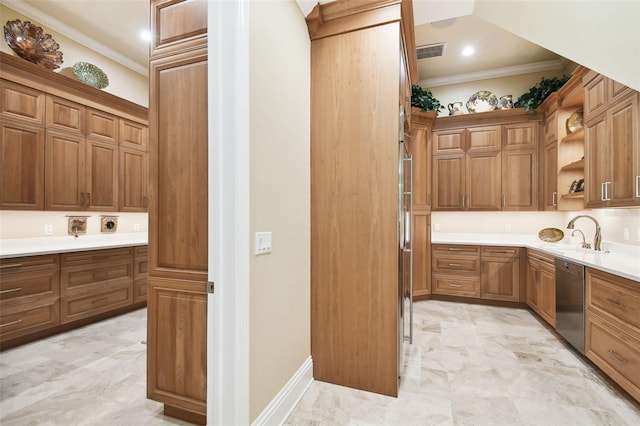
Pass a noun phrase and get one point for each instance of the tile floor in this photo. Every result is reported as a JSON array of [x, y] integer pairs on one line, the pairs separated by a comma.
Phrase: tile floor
[[478, 365], [469, 365], [94, 375]]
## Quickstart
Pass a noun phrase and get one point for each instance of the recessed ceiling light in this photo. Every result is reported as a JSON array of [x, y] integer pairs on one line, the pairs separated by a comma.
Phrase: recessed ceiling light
[[145, 35], [468, 51]]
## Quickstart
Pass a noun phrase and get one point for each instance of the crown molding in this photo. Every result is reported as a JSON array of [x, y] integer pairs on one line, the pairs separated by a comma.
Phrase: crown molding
[[59, 26], [495, 73]]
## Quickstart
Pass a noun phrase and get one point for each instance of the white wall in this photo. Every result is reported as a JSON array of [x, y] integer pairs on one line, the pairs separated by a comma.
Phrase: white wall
[[123, 82], [603, 35], [279, 196], [30, 224]]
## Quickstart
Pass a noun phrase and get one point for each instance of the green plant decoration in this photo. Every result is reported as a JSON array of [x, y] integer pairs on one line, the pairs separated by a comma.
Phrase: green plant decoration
[[538, 93], [424, 99]]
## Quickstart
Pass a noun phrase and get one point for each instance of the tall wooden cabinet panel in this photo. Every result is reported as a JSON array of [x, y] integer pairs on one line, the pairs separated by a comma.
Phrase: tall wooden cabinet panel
[[132, 191], [448, 182], [520, 166], [178, 210], [624, 122], [355, 306], [21, 166], [101, 183], [483, 181], [64, 171]]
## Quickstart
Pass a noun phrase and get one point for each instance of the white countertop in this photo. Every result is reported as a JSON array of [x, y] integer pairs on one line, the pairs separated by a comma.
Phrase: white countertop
[[618, 259], [46, 245]]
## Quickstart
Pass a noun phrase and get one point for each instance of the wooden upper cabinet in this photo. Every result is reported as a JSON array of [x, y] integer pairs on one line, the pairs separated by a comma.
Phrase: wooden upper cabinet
[[133, 135], [132, 190], [550, 176], [101, 183], [520, 180], [625, 152], [483, 181], [21, 103], [520, 136], [595, 94], [617, 91], [21, 166], [64, 171], [102, 126], [177, 25], [449, 142], [448, 182], [65, 115], [487, 138], [597, 160]]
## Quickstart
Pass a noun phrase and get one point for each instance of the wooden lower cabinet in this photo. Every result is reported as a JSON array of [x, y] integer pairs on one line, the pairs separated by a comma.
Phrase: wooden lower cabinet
[[541, 285], [177, 342], [43, 295], [612, 328], [421, 253], [485, 272]]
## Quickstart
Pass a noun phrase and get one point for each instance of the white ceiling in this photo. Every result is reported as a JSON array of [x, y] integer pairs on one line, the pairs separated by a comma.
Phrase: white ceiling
[[112, 27]]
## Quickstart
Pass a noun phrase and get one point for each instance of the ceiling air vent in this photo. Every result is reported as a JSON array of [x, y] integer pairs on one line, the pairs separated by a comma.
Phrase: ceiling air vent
[[430, 51]]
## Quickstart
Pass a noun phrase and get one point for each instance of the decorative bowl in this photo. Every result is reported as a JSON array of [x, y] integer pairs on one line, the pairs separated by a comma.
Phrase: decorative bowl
[[551, 235], [90, 74], [482, 101], [29, 43], [574, 122]]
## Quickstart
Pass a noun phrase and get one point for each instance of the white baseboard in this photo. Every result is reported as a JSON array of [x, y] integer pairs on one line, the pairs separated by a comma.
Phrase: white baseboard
[[284, 402]]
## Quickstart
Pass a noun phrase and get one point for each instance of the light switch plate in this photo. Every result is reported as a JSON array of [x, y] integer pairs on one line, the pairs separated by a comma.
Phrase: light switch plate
[[262, 243]]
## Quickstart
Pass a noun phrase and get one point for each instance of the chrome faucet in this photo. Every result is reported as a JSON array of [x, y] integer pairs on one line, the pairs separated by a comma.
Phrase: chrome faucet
[[597, 238], [584, 244]]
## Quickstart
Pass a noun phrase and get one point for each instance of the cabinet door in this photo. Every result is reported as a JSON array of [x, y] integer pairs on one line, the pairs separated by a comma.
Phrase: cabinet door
[[597, 162], [102, 126], [448, 183], [449, 142], [21, 167], [101, 183], [421, 253], [500, 278], [65, 115], [483, 181], [520, 136], [520, 180], [21, 103], [595, 96], [487, 138], [64, 171], [550, 176], [622, 120], [132, 191], [547, 307], [533, 287], [133, 135], [420, 149]]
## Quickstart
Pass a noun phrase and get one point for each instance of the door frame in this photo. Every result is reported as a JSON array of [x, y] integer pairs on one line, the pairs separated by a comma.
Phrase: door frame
[[229, 241]]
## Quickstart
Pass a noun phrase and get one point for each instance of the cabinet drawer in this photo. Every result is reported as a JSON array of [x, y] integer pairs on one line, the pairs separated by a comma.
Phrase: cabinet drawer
[[25, 318], [93, 256], [500, 251], [104, 298], [541, 261], [615, 352], [74, 277], [453, 249], [28, 286], [455, 263], [456, 285], [29, 263], [140, 290], [619, 299]]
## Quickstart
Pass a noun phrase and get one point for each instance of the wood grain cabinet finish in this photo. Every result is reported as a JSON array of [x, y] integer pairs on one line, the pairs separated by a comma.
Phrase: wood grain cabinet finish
[[456, 270], [21, 166], [485, 168], [178, 208], [18, 102], [29, 295], [132, 190], [612, 335], [95, 282], [140, 275], [541, 285], [61, 152], [500, 273], [612, 144]]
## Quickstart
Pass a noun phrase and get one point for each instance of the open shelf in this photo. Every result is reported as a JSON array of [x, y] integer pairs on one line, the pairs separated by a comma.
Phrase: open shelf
[[576, 165], [576, 136]]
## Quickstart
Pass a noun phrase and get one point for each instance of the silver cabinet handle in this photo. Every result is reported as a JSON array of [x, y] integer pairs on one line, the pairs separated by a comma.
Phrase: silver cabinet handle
[[11, 290], [606, 191], [11, 265], [10, 323], [504, 201], [554, 198], [463, 202], [615, 302], [455, 285], [455, 265], [454, 249], [616, 356], [602, 191], [638, 186]]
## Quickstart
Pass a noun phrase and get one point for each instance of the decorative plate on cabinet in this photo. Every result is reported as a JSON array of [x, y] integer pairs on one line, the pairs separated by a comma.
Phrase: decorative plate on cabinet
[[574, 122], [90, 74], [551, 235], [31, 44], [482, 101]]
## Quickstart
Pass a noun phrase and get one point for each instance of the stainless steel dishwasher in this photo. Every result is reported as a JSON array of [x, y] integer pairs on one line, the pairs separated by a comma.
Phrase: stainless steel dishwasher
[[570, 302]]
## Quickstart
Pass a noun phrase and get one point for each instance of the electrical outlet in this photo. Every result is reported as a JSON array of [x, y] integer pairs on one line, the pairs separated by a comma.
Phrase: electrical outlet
[[48, 230], [262, 243], [507, 227], [136, 227], [625, 231], [436, 226]]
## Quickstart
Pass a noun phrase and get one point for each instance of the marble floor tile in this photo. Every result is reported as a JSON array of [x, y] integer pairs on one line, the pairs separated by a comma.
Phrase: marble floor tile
[[479, 365]]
